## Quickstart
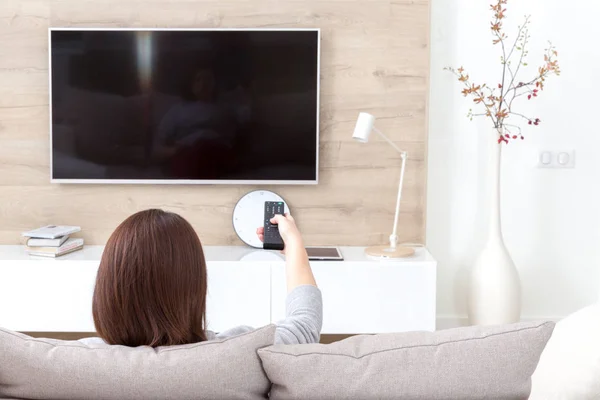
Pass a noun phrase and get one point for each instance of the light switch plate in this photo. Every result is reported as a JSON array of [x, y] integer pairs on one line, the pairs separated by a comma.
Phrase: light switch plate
[[562, 159]]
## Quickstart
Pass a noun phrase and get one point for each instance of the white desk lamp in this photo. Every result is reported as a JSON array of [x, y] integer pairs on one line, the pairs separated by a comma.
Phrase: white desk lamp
[[364, 126]]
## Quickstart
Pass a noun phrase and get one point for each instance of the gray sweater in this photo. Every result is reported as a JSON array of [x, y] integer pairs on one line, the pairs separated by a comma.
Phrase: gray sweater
[[302, 323]]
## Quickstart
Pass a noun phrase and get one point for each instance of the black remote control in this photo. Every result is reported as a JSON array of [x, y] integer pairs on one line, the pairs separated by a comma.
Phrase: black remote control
[[272, 239]]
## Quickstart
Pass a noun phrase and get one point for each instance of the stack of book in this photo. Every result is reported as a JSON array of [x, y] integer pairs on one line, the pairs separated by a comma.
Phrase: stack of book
[[52, 241]]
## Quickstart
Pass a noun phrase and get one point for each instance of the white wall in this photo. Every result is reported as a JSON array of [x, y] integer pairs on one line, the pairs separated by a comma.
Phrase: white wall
[[551, 218]]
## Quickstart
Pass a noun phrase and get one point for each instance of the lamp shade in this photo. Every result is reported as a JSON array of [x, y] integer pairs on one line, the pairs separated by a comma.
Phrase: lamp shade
[[363, 127]]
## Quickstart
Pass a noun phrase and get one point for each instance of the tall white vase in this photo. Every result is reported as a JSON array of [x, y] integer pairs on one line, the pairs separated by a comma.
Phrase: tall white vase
[[494, 287]]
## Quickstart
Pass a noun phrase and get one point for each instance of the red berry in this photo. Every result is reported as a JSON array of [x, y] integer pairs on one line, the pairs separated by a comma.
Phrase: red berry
[[536, 123], [529, 97], [514, 136], [530, 122], [499, 86], [507, 135], [522, 138]]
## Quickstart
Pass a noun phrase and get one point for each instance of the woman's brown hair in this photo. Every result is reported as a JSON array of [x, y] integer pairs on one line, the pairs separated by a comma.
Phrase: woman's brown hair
[[151, 284]]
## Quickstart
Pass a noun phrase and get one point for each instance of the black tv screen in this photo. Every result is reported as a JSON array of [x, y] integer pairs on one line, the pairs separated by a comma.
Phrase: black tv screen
[[184, 106]]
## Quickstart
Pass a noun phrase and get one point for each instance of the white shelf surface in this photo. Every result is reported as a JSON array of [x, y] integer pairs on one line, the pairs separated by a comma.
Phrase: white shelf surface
[[211, 253]]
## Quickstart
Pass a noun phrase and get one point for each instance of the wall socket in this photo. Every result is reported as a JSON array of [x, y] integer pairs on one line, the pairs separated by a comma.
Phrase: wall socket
[[556, 159]]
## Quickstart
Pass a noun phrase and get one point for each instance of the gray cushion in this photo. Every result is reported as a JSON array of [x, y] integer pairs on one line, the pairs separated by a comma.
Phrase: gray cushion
[[466, 363], [55, 369]]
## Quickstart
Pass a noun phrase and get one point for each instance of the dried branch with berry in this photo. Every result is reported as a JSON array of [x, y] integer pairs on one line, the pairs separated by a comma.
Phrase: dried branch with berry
[[498, 101]]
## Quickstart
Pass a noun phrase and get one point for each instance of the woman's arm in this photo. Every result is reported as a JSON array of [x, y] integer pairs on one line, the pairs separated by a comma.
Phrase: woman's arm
[[166, 131], [304, 303], [298, 271]]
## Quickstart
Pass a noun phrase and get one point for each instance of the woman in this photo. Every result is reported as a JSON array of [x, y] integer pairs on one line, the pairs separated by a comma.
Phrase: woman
[[197, 135], [152, 282]]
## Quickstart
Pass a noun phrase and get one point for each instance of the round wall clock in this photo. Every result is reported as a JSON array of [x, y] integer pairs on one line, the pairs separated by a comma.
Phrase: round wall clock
[[248, 215]]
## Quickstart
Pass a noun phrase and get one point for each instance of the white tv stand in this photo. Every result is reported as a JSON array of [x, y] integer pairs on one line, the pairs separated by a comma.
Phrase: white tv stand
[[246, 287]]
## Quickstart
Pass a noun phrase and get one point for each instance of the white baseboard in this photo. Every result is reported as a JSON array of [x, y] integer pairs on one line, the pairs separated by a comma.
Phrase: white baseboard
[[455, 321]]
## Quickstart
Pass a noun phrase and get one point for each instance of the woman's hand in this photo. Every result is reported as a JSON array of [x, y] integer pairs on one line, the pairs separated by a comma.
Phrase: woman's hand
[[165, 152], [297, 267], [287, 229]]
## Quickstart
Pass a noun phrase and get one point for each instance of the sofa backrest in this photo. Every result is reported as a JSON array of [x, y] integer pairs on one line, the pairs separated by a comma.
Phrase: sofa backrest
[[55, 369], [494, 362]]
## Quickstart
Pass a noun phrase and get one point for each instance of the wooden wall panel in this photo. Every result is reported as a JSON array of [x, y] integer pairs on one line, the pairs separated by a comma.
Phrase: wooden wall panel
[[374, 58]]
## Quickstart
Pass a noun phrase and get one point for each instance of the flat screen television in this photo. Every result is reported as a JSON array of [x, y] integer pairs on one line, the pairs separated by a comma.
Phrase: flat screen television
[[210, 106]]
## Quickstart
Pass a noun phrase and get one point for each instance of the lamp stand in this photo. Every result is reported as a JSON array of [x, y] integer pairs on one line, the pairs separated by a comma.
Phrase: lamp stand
[[393, 250]]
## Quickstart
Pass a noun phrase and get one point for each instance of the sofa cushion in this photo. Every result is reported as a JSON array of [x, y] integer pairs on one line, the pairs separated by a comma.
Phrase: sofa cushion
[[569, 366], [494, 362], [55, 369]]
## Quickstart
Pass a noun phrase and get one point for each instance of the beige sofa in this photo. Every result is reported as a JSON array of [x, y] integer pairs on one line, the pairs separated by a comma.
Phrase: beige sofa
[[464, 363]]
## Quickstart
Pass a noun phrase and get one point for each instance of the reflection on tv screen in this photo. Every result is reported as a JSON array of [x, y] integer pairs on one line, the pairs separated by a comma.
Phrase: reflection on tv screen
[[193, 105]]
